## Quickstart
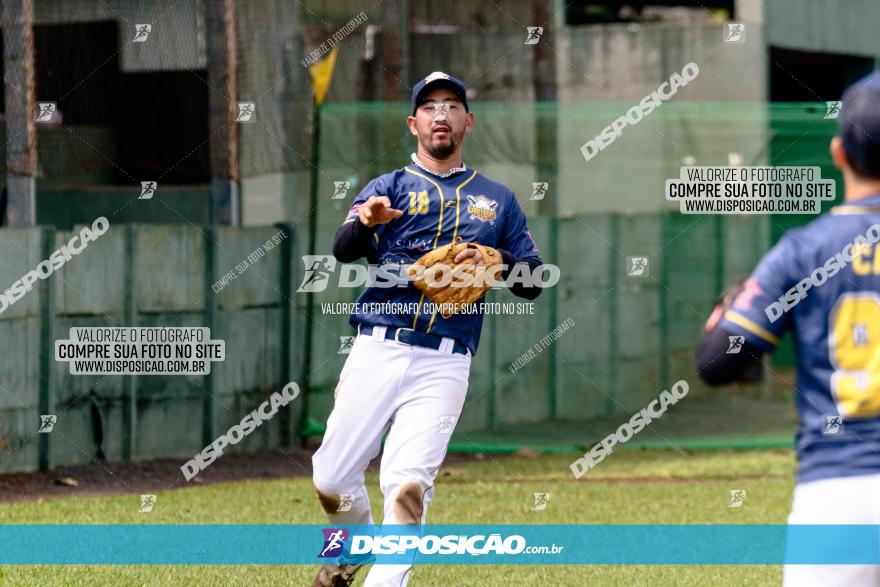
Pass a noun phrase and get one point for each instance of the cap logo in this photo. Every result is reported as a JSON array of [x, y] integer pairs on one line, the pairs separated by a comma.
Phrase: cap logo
[[436, 75]]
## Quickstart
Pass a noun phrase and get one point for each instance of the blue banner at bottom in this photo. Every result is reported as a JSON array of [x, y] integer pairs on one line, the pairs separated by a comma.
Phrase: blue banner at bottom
[[617, 544]]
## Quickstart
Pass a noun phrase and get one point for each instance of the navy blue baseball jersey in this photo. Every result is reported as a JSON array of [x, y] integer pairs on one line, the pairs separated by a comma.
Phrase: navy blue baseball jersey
[[822, 283], [435, 211]]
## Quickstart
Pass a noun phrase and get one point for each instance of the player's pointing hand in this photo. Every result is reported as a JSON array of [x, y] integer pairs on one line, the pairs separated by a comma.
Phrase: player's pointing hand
[[377, 210]]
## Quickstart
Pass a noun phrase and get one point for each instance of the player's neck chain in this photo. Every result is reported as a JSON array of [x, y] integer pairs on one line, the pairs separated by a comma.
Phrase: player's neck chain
[[418, 163]]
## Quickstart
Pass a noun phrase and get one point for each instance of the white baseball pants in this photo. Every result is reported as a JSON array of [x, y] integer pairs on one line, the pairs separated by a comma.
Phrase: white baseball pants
[[841, 500], [416, 392]]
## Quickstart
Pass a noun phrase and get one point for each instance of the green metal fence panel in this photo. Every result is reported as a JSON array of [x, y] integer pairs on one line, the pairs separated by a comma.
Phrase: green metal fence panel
[[143, 276], [691, 277], [90, 291], [249, 320], [480, 408], [639, 324], [522, 396], [169, 287], [587, 296], [249, 375], [746, 239], [23, 328], [19, 410]]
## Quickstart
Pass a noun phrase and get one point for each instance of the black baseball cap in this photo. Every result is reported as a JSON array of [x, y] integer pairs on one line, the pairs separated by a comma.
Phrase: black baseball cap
[[858, 124], [438, 79]]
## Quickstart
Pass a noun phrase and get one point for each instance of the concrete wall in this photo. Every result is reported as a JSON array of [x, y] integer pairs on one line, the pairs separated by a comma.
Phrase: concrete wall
[[629, 174], [625, 62], [830, 27]]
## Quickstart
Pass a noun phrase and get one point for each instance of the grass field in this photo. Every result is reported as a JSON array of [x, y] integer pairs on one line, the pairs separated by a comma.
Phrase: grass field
[[656, 486]]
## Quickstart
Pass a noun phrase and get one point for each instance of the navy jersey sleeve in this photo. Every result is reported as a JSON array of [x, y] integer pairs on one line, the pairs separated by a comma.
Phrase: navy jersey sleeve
[[516, 237], [353, 240], [376, 187], [751, 314]]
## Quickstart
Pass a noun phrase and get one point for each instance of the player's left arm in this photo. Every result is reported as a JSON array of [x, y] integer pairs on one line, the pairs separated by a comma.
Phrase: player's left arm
[[517, 247], [739, 331]]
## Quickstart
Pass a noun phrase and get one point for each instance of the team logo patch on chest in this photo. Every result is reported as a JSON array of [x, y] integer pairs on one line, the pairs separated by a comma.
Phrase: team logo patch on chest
[[482, 208]]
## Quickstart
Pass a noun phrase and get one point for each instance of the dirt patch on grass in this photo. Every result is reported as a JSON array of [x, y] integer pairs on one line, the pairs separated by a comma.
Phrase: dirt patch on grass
[[103, 478], [454, 477], [678, 480]]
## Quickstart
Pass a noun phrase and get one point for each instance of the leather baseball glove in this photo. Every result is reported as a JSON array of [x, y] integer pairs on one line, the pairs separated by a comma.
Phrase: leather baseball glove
[[724, 302], [750, 367], [458, 284]]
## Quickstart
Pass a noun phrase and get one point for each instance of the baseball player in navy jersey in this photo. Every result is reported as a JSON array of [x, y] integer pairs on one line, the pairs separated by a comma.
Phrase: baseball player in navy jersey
[[822, 283], [407, 372]]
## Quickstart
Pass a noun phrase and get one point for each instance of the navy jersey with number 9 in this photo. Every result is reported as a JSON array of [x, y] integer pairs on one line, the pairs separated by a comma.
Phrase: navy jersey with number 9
[[822, 283]]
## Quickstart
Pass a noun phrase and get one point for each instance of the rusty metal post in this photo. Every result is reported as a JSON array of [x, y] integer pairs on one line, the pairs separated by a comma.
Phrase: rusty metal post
[[220, 46], [393, 22], [18, 59], [547, 119]]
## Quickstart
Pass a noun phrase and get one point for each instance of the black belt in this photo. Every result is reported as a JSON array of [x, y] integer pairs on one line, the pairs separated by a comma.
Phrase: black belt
[[411, 337]]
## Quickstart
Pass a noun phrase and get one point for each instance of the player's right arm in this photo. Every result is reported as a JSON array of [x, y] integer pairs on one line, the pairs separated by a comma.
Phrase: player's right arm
[[356, 237], [744, 315]]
